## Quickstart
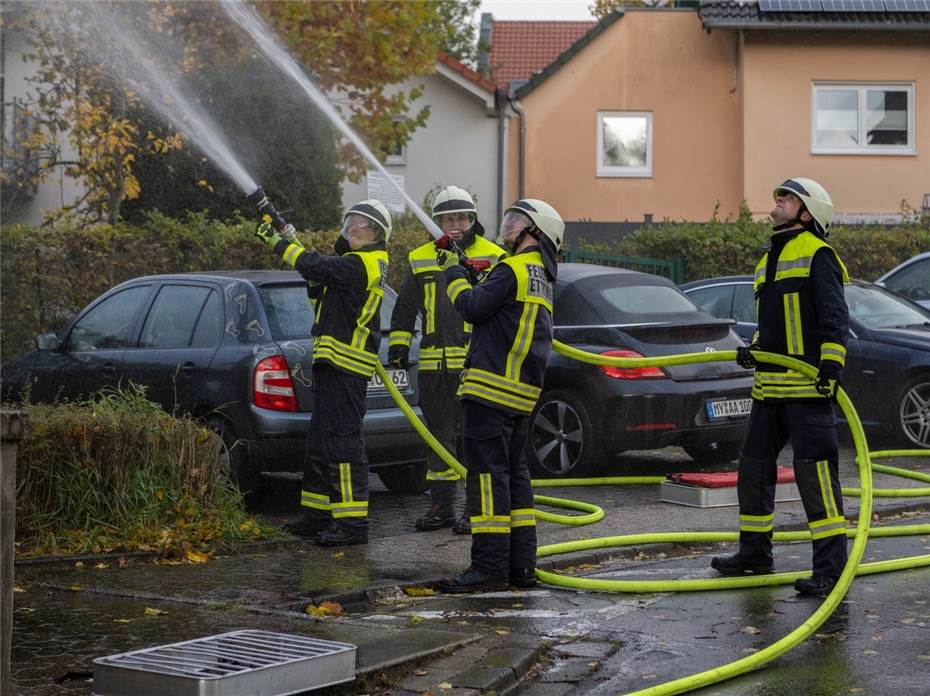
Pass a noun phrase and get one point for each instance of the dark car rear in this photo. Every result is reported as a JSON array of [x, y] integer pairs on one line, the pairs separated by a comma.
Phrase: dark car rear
[[231, 348], [588, 414]]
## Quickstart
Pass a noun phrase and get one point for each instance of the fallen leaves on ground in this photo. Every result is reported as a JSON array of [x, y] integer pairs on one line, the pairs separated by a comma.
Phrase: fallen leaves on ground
[[324, 609], [419, 591], [149, 611]]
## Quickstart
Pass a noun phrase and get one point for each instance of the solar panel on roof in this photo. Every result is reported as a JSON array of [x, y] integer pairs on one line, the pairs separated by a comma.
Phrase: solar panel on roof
[[853, 6], [790, 5], [907, 5]]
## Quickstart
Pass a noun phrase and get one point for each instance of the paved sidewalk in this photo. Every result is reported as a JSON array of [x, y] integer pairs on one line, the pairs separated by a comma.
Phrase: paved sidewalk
[[67, 615]]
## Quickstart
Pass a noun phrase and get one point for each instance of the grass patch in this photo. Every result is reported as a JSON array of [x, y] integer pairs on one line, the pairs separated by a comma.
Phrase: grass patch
[[117, 473]]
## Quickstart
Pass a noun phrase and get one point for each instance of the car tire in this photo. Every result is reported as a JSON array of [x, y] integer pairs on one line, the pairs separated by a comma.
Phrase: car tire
[[914, 412], [404, 479], [235, 455], [561, 442], [713, 455]]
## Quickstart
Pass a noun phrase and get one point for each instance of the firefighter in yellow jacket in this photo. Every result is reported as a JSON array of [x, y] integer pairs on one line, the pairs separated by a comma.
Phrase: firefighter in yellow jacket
[[802, 313], [347, 289], [511, 315], [443, 343]]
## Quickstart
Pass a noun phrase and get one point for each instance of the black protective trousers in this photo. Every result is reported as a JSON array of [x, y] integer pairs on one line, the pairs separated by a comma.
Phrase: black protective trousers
[[499, 493], [335, 485], [811, 428], [443, 415]]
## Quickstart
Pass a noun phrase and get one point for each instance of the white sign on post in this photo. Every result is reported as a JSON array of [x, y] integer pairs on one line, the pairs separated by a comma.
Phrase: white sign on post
[[379, 187]]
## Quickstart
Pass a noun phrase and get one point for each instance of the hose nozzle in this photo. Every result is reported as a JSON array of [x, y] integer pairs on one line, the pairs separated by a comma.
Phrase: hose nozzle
[[265, 207]]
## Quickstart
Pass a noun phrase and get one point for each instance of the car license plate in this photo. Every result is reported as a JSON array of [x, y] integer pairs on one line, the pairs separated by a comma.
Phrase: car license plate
[[728, 408], [398, 379]]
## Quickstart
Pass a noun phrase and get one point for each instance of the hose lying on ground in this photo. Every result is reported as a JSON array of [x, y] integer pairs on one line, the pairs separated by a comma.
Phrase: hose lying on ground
[[860, 534]]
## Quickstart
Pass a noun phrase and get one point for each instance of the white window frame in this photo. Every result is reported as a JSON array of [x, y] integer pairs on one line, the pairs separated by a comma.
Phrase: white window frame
[[861, 148], [629, 172], [392, 159]]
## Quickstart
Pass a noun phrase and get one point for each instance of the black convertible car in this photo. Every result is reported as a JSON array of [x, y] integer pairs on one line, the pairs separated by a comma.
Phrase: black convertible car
[[887, 372], [588, 414]]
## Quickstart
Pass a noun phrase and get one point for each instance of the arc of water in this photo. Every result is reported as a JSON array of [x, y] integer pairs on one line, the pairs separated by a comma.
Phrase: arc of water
[[264, 38]]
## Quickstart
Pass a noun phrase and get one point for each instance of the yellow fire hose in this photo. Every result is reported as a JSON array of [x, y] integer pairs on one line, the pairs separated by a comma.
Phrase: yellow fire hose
[[860, 534]]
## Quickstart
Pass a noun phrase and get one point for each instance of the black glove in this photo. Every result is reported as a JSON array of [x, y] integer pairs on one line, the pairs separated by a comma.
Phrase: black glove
[[745, 358], [829, 378], [455, 272], [399, 357]]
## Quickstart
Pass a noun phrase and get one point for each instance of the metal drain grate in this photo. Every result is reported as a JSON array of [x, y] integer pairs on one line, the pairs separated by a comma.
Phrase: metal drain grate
[[253, 662]]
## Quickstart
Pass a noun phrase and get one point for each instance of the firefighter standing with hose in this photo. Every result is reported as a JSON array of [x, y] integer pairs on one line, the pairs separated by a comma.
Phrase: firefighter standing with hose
[[443, 344], [347, 289], [802, 313], [511, 314]]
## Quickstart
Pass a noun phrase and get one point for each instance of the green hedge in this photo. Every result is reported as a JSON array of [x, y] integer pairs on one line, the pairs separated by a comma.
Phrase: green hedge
[[49, 274], [734, 247]]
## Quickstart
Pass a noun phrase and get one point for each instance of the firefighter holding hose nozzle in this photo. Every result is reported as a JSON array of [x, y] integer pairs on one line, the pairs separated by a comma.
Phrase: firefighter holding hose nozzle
[[347, 289]]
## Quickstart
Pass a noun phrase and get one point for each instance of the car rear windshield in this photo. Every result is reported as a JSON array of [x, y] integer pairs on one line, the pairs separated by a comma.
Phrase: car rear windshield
[[647, 299], [289, 311], [877, 309]]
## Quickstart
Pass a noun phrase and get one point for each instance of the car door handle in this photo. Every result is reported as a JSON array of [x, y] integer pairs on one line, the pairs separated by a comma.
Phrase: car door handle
[[188, 368], [108, 368]]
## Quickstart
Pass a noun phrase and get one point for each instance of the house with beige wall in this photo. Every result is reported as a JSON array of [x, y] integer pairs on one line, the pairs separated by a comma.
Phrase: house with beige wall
[[674, 112]]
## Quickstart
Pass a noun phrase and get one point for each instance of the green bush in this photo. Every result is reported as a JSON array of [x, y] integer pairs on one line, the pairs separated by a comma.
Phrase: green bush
[[47, 274], [119, 474], [734, 247]]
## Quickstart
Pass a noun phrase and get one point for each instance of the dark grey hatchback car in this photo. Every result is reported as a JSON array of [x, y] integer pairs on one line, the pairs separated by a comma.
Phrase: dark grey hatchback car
[[232, 348]]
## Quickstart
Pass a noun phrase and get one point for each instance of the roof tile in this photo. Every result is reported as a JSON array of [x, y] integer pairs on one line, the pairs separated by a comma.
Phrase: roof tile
[[520, 49]]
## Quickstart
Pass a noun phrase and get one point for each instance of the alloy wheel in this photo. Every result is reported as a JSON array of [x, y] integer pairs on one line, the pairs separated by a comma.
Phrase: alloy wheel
[[914, 413], [558, 437]]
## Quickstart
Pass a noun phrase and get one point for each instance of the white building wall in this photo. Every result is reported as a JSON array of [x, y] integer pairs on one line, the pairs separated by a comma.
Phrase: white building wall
[[457, 146]]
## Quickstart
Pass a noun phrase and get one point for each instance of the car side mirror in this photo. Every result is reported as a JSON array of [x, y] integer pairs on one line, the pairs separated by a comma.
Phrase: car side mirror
[[48, 341]]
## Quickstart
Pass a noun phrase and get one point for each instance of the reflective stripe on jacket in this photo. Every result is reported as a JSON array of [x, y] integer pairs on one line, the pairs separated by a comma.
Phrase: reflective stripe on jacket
[[445, 335], [802, 313], [511, 312]]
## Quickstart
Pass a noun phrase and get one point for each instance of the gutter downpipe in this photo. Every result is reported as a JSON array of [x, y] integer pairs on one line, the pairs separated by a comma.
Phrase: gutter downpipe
[[515, 104], [500, 103]]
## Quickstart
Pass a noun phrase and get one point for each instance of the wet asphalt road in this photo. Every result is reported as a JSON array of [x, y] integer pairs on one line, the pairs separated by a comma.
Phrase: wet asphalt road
[[571, 643]]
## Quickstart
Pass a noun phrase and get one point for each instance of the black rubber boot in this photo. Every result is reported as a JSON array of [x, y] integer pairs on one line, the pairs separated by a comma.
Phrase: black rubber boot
[[738, 565], [472, 581], [524, 578], [337, 536], [308, 524], [815, 585], [436, 518], [462, 525]]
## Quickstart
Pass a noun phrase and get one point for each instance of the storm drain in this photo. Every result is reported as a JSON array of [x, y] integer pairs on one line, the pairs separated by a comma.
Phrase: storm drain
[[259, 663]]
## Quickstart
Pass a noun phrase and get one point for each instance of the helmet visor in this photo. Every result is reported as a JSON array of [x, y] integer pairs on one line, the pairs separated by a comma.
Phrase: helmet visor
[[360, 231], [512, 225]]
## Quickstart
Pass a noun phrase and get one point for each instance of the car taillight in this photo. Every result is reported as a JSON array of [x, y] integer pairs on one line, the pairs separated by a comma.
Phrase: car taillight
[[272, 387], [629, 372]]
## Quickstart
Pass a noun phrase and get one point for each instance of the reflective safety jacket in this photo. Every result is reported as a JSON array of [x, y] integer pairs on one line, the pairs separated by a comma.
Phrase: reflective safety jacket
[[445, 335], [511, 311], [802, 312], [347, 291]]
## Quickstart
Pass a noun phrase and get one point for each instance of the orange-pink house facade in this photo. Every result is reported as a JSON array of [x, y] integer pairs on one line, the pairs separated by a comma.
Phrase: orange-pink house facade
[[720, 109]]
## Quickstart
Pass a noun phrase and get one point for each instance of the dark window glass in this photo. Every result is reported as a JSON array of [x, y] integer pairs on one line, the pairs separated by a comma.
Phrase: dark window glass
[[912, 281], [714, 300], [289, 311], [108, 324], [647, 299], [744, 304], [210, 325], [170, 323]]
